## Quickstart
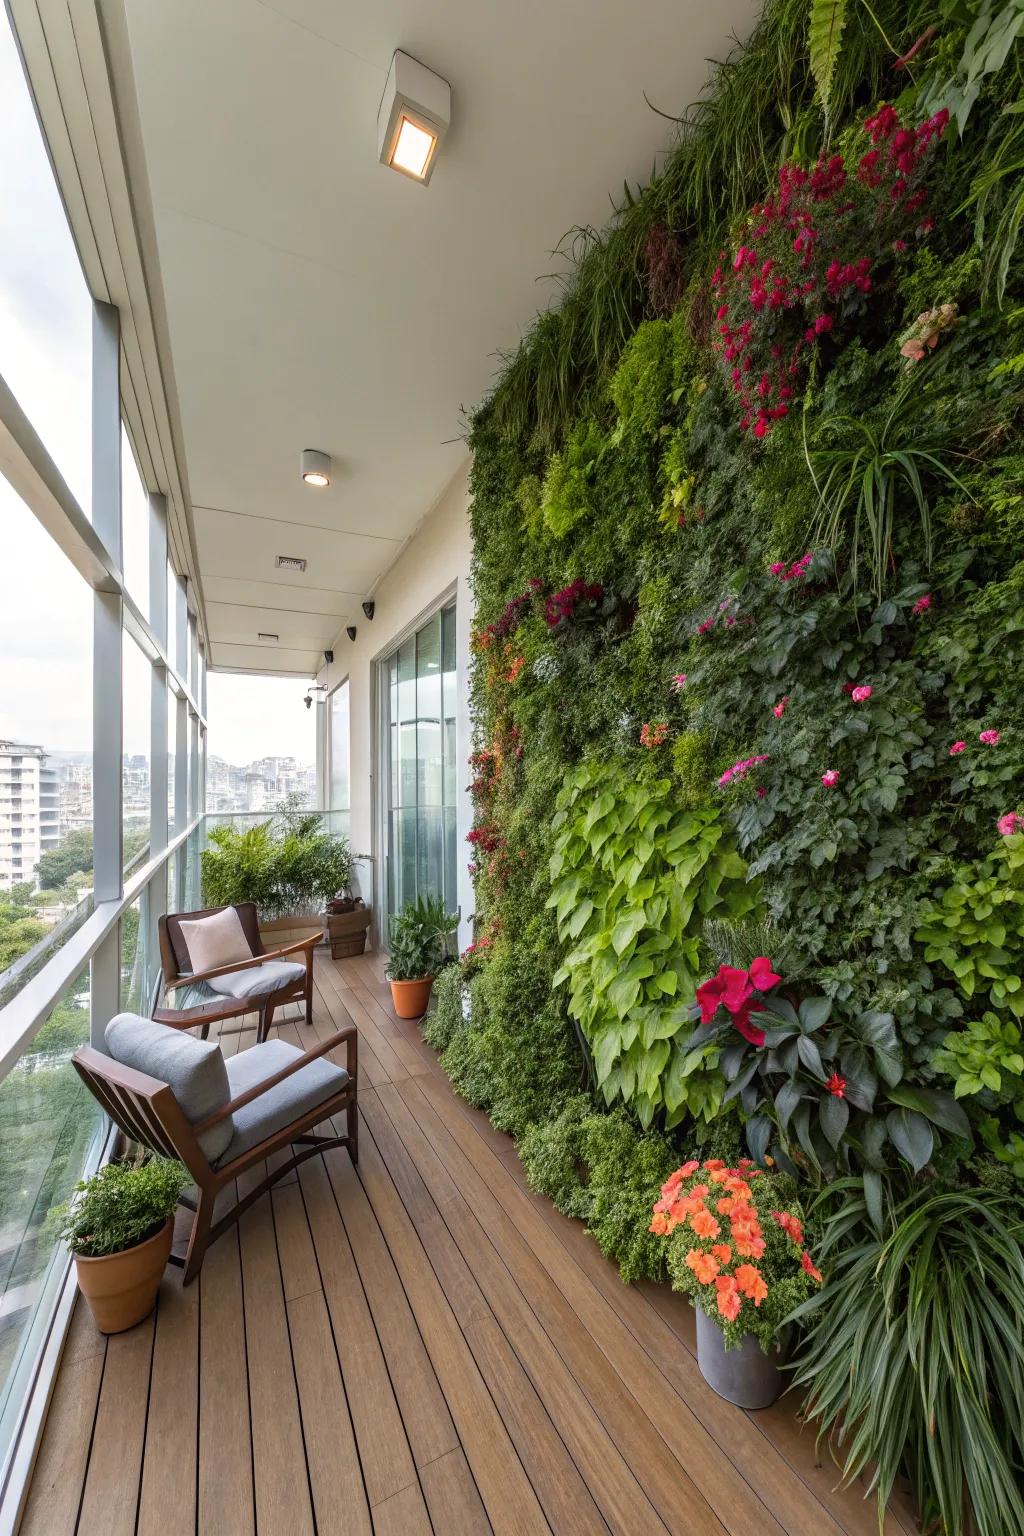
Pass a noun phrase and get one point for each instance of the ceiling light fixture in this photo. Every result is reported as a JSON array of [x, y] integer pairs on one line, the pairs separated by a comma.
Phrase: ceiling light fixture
[[412, 118], [290, 563], [316, 467]]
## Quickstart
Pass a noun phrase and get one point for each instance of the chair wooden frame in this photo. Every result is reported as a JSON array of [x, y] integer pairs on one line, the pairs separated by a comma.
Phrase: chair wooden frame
[[174, 961], [147, 1111]]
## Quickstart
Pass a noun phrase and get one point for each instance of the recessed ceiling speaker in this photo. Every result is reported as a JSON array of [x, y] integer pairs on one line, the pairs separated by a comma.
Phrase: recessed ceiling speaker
[[368, 609], [328, 657], [351, 631]]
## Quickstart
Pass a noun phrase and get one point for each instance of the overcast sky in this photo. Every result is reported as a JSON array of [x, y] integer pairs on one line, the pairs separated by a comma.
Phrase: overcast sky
[[45, 606]]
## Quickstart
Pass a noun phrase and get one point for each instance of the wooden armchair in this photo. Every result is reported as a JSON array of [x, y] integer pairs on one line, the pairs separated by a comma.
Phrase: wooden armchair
[[147, 1111], [178, 975]]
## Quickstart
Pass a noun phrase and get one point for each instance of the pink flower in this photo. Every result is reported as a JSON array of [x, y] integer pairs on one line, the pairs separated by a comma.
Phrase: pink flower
[[1010, 823], [858, 695], [957, 748], [679, 682], [779, 709], [830, 778], [923, 604], [778, 568], [702, 629], [990, 738]]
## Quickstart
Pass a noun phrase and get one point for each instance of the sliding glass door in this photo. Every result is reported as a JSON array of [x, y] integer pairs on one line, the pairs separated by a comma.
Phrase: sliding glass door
[[418, 771]]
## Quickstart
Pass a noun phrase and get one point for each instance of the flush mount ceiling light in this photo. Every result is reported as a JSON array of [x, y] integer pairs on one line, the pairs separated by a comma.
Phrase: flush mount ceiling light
[[412, 118], [316, 467], [290, 563]]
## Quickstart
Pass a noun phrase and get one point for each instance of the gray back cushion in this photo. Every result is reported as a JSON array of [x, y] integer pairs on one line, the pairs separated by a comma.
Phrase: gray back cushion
[[193, 1069]]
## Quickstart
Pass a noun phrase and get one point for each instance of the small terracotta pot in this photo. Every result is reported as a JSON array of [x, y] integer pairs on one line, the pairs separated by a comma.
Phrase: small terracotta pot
[[121, 1287], [410, 998]]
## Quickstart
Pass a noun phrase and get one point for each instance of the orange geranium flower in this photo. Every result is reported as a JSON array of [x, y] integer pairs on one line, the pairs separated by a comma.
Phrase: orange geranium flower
[[704, 1224], [748, 1247], [703, 1265], [723, 1253], [728, 1298], [738, 1187], [791, 1226], [659, 1224], [718, 1175], [714, 1162], [729, 1205], [751, 1283], [809, 1265]]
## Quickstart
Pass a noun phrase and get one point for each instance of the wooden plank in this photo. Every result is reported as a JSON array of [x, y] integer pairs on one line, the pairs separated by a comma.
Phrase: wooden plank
[[111, 1498], [404, 1514], [452, 1496], [383, 1448], [278, 1456], [225, 1443], [412, 1056], [58, 1476], [336, 1016], [300, 1272], [556, 1477], [425, 1415], [339, 1497], [167, 1506], [504, 1485], [368, 1031]]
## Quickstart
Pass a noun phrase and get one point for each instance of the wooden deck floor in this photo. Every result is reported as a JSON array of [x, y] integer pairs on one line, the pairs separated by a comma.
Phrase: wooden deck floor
[[420, 1345]]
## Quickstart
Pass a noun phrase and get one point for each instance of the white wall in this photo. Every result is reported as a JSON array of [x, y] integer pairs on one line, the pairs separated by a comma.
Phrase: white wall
[[433, 565]]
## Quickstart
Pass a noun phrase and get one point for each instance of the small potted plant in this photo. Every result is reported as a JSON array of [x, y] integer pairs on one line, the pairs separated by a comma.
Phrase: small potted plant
[[419, 940], [347, 919], [119, 1225], [737, 1249]]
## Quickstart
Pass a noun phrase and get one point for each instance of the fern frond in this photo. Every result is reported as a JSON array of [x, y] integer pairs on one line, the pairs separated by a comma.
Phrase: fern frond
[[824, 40]]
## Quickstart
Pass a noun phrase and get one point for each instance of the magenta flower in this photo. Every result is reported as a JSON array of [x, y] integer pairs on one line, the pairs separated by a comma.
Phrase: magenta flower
[[741, 769], [679, 682], [778, 568], [1010, 823], [990, 738], [702, 629], [957, 748], [923, 604], [858, 695], [779, 709], [830, 778]]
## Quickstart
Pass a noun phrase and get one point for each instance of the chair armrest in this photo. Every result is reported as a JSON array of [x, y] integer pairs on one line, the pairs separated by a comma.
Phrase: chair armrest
[[244, 965], [349, 1034]]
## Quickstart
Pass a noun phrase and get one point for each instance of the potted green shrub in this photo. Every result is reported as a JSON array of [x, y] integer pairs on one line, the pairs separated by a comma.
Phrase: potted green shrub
[[419, 940], [119, 1225], [737, 1249]]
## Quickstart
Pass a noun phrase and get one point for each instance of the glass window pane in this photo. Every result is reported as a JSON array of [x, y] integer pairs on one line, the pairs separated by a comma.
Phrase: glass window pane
[[339, 749], [137, 683], [45, 307], [134, 528], [135, 959], [449, 697], [172, 730], [172, 616], [50, 1135], [428, 712], [45, 743]]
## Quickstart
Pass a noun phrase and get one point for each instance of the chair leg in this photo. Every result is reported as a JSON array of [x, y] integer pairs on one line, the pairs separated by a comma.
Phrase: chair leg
[[199, 1239], [352, 1114], [266, 1019], [309, 997]]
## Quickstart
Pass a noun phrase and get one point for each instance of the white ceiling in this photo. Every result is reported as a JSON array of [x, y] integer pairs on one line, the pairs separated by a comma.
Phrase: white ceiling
[[317, 299]]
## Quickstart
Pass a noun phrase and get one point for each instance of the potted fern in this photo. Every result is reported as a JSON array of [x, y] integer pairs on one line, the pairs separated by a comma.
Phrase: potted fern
[[419, 940], [119, 1226]]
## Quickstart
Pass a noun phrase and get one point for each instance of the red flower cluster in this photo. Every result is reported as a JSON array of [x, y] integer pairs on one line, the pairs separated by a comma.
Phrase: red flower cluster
[[562, 605], [807, 258], [653, 735], [735, 990], [795, 572], [485, 838]]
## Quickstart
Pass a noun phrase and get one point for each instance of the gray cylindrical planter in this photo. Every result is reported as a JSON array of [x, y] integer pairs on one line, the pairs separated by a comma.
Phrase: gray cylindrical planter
[[745, 1376]]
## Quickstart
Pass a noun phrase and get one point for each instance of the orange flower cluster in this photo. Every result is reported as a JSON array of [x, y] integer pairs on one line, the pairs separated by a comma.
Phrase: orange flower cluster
[[716, 1204]]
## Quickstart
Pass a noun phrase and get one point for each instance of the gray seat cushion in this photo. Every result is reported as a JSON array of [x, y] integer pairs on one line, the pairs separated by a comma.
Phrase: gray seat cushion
[[282, 1105], [258, 980], [193, 1069]]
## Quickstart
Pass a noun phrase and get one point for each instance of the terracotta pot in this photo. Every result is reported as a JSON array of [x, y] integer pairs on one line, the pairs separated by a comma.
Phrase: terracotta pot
[[745, 1376], [410, 998], [121, 1287]]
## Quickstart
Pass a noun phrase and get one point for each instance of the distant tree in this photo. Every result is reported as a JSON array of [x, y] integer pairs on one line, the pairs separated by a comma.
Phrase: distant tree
[[72, 855]]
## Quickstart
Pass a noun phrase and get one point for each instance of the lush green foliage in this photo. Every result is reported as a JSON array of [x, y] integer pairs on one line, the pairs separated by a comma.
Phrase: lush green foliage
[[418, 938], [287, 866], [121, 1205], [914, 1352]]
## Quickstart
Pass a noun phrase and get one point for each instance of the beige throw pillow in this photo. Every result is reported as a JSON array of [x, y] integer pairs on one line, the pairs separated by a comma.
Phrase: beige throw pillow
[[216, 940]]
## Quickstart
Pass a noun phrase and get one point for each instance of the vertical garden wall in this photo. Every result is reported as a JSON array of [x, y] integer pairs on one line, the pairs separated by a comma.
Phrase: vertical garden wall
[[748, 512]]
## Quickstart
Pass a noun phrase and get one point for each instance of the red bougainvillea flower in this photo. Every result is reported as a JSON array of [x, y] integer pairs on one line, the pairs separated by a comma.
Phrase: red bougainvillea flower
[[809, 1266], [704, 1265], [830, 778], [1010, 824], [750, 1282], [923, 604], [858, 695], [836, 1086], [791, 1225], [990, 738], [957, 748]]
